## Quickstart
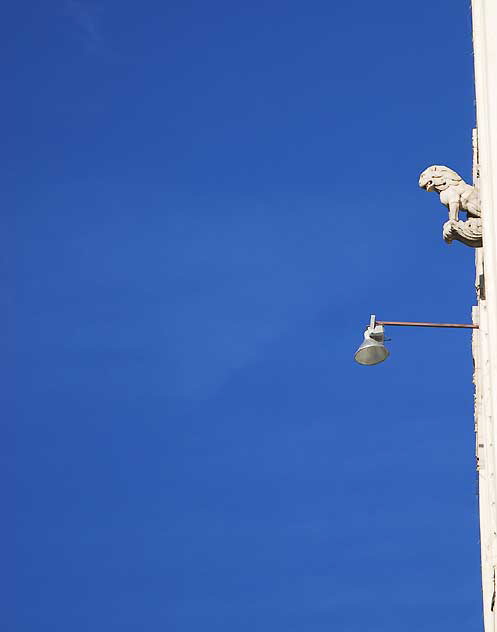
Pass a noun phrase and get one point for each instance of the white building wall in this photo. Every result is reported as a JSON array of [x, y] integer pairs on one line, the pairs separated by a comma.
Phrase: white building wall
[[485, 340]]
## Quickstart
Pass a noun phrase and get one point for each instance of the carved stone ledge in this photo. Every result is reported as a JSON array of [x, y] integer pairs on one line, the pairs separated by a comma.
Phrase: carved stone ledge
[[468, 233]]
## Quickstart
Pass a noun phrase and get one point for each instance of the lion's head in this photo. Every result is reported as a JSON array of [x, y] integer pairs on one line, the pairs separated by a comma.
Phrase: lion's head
[[438, 178]]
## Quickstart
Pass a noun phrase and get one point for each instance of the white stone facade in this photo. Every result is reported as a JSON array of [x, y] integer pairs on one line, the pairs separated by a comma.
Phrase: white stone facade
[[485, 339]]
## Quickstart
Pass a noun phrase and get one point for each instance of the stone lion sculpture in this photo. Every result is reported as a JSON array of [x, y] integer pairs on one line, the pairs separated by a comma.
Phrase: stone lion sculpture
[[457, 196]]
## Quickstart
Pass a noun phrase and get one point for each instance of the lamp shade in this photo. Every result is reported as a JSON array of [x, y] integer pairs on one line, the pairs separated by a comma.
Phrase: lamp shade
[[372, 350]]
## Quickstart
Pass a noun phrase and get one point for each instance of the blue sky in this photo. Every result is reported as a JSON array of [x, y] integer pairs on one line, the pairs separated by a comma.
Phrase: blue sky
[[204, 202]]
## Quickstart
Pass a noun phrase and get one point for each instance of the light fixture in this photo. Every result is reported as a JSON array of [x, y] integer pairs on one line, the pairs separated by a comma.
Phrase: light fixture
[[372, 350]]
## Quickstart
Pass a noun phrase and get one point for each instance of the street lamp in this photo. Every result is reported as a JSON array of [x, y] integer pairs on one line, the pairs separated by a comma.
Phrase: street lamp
[[373, 351]]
